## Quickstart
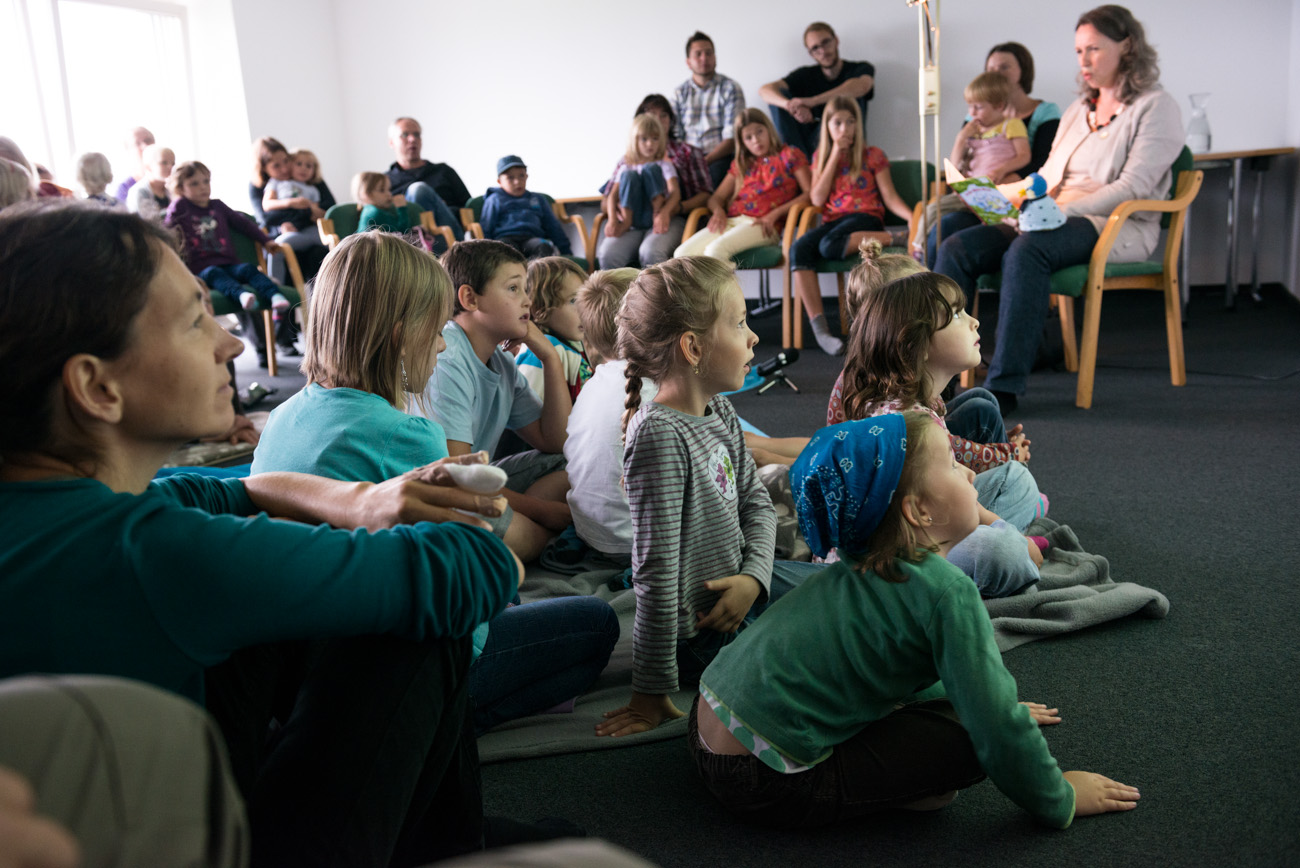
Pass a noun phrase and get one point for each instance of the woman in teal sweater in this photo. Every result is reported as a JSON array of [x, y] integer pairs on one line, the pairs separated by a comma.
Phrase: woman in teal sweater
[[877, 683], [355, 641]]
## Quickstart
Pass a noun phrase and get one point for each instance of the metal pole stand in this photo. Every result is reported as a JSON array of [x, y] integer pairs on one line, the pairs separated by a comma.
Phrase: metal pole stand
[[777, 377]]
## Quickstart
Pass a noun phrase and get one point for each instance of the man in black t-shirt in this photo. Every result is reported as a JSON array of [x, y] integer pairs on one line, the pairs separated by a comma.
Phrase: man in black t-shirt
[[796, 101]]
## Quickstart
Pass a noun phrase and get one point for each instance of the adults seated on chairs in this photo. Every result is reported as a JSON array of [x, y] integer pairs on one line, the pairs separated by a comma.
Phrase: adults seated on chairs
[[294, 225], [435, 187], [1012, 61], [796, 101], [1118, 141], [357, 643], [643, 249], [707, 105]]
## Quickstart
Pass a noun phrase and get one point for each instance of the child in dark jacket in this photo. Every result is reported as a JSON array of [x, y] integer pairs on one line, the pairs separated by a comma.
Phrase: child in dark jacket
[[521, 219]]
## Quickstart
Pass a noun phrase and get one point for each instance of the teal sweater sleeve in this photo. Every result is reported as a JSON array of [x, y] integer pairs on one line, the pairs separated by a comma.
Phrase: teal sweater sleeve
[[253, 580], [1006, 738]]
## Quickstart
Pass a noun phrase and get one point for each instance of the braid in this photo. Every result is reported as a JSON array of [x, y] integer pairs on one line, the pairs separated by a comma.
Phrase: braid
[[632, 403]]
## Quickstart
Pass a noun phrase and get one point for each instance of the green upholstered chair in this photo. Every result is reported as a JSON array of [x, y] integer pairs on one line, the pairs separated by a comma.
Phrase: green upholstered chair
[[763, 260], [472, 213], [341, 221], [906, 175], [1090, 280], [251, 251]]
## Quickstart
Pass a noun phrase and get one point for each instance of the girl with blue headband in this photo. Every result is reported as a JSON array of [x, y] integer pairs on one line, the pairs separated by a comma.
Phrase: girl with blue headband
[[877, 683]]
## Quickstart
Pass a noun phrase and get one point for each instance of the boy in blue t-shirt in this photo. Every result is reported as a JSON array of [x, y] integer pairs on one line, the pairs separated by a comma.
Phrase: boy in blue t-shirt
[[476, 392], [521, 219]]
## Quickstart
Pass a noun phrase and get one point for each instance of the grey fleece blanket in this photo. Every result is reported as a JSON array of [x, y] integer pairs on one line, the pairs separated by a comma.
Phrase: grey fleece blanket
[[1075, 591]]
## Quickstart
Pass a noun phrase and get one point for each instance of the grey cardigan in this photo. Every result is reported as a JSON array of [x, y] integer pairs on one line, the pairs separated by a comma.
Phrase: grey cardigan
[[1144, 140]]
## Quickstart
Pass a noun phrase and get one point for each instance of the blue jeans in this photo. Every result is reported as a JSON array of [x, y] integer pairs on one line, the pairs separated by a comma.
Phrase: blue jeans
[[539, 655], [695, 654], [975, 415], [231, 280], [427, 198], [828, 240], [951, 225], [636, 193], [532, 248], [1027, 261]]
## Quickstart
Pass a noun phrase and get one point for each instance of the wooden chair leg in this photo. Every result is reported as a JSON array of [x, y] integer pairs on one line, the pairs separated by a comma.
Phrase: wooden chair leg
[[268, 323], [785, 306], [1088, 349], [1174, 328], [796, 322], [1065, 306], [839, 286]]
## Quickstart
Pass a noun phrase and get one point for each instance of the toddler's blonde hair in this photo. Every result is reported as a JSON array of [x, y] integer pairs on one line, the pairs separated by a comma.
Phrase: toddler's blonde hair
[[93, 172], [598, 304], [645, 124], [315, 161], [545, 282]]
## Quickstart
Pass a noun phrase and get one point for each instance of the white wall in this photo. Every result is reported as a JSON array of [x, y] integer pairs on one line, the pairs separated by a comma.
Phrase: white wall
[[557, 82]]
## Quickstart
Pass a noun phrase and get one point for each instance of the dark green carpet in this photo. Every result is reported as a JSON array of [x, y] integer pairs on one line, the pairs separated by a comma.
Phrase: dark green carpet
[[1191, 491]]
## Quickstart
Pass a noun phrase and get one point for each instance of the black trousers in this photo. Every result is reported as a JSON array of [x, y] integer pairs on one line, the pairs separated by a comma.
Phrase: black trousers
[[352, 751]]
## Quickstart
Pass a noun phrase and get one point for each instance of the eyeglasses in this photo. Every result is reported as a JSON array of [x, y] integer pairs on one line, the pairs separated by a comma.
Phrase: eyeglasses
[[410, 135], [823, 46]]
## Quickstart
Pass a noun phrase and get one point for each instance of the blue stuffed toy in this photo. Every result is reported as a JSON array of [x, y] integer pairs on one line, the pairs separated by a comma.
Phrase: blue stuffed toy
[[1038, 212]]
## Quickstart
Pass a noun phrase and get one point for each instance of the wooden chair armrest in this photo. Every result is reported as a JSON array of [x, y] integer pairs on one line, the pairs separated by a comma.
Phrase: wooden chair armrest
[[806, 220], [693, 221], [580, 200], [294, 271], [429, 224], [475, 230], [792, 217], [1189, 183], [327, 234], [467, 217]]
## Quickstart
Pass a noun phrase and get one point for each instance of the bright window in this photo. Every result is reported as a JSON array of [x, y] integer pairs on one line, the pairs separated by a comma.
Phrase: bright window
[[85, 72]]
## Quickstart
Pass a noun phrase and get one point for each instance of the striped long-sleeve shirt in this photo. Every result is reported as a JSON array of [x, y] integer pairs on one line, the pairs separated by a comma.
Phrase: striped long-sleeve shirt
[[699, 512]]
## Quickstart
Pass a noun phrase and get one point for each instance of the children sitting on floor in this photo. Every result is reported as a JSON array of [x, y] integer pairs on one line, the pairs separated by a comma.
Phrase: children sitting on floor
[[476, 392], [553, 284], [911, 701], [521, 219]]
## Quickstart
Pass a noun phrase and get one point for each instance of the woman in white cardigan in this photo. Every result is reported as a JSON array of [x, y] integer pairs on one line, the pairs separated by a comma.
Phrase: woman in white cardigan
[[1118, 141]]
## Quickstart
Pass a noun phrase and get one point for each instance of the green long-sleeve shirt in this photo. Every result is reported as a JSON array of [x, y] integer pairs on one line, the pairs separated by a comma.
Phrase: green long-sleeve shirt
[[842, 649], [158, 586]]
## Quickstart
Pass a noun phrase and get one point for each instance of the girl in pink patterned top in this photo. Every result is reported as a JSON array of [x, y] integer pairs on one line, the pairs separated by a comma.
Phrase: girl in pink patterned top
[[911, 336], [764, 182]]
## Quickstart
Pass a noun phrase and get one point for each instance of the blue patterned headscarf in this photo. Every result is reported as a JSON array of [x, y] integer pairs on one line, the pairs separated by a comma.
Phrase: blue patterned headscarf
[[844, 480]]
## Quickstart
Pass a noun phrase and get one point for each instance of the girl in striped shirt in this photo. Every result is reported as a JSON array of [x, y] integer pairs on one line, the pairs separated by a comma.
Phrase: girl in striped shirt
[[703, 525]]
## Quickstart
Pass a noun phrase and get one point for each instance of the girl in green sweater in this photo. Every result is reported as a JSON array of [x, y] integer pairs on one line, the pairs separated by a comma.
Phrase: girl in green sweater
[[877, 683]]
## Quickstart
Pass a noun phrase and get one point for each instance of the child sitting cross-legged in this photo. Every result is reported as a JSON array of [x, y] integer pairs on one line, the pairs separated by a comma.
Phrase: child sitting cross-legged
[[910, 702], [379, 309], [476, 392], [521, 219], [205, 225], [553, 284]]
